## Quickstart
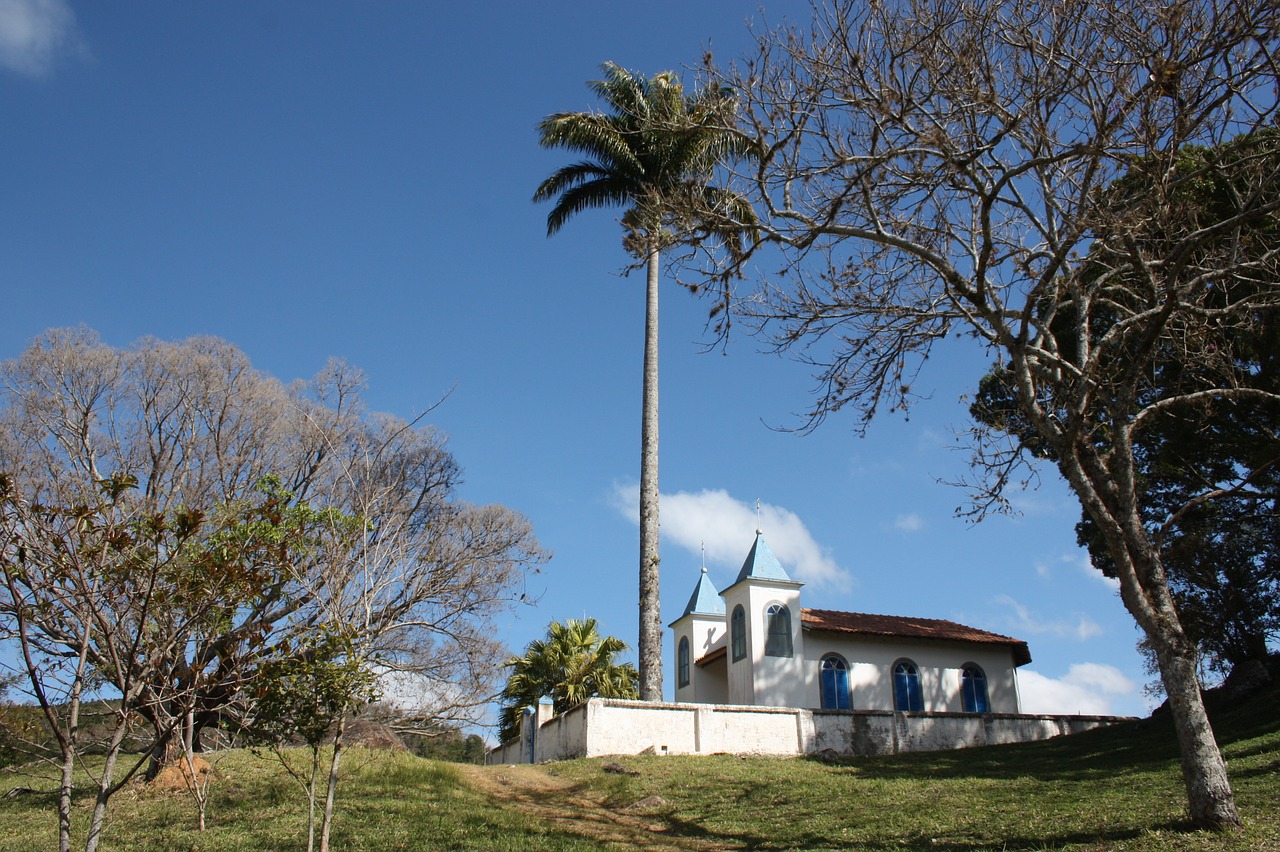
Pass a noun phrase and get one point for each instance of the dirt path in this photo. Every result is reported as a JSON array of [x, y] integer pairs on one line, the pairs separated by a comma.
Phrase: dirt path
[[556, 800]]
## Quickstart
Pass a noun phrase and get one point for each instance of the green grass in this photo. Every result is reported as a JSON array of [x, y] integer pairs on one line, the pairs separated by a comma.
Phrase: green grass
[[1117, 788], [1109, 789], [386, 801]]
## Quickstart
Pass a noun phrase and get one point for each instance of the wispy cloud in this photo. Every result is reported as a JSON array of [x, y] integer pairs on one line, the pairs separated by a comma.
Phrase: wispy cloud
[[726, 527], [35, 34], [1078, 626], [1087, 688], [909, 522], [1077, 562], [1080, 560]]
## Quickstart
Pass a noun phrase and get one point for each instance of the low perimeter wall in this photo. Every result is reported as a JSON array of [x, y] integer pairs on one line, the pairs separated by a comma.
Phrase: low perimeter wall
[[605, 726]]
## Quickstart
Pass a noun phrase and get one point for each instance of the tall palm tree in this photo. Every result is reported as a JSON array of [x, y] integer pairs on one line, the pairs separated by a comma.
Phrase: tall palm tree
[[573, 663], [653, 152]]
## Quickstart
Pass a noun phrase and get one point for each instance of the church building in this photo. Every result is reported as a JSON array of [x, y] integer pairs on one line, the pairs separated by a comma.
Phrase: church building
[[754, 644]]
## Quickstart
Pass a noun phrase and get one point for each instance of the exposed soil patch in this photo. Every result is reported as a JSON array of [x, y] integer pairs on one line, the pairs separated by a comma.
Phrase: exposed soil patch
[[576, 810]]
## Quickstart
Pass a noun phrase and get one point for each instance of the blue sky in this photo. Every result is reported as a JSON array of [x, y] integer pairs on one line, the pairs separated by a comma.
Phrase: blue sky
[[311, 180]]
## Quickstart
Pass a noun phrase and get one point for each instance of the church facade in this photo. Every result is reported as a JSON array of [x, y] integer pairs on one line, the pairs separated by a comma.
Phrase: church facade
[[754, 644], [758, 673]]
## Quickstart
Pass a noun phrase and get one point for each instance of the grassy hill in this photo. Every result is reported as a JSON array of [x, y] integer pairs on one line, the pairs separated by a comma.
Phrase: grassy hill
[[1109, 789]]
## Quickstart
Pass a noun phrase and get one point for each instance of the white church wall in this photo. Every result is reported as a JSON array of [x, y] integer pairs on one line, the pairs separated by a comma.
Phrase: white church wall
[[761, 679], [707, 684], [871, 660]]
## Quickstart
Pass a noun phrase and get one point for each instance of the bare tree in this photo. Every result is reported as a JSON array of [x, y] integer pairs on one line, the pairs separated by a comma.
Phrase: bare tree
[[174, 520], [934, 168], [413, 591]]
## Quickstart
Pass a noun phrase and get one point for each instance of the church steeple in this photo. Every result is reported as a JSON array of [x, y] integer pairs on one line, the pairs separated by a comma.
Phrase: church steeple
[[761, 564], [705, 599]]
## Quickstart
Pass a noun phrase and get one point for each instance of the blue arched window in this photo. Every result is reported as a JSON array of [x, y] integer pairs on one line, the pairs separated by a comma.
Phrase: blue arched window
[[835, 683], [738, 633], [682, 662], [973, 690], [906, 687], [777, 619]]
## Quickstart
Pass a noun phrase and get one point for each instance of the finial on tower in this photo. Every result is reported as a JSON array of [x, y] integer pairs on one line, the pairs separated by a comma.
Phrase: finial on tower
[[703, 545], [758, 530]]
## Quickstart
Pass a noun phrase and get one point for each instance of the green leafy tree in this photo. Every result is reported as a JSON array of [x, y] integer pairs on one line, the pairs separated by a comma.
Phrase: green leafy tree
[[573, 663], [654, 153]]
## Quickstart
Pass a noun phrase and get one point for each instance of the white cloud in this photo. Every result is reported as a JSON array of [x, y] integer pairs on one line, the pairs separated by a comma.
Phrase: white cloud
[[1078, 626], [34, 34], [1084, 564], [726, 527], [909, 523], [1087, 689]]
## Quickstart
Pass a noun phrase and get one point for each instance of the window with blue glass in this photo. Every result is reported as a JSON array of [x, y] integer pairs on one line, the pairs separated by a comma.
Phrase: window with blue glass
[[682, 662], [973, 690], [738, 632], [906, 687], [777, 619], [834, 679]]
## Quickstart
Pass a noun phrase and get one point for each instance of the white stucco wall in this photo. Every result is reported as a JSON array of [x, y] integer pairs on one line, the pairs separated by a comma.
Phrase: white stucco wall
[[615, 727], [871, 660], [630, 727], [759, 679], [706, 684]]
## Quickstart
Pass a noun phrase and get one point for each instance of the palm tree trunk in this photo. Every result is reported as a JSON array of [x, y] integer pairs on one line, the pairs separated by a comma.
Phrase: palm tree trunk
[[650, 645]]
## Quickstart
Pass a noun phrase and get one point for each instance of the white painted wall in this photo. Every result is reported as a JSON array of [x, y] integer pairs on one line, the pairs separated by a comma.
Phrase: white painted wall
[[616, 727], [758, 679], [871, 660], [705, 634]]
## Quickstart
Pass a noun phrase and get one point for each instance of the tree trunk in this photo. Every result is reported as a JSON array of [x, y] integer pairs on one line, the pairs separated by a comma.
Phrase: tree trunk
[[1204, 772], [311, 797], [64, 799], [327, 821], [1108, 494], [650, 645], [1145, 592], [106, 784]]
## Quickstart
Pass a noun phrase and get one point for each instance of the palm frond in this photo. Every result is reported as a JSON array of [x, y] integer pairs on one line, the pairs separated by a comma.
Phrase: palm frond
[[644, 154]]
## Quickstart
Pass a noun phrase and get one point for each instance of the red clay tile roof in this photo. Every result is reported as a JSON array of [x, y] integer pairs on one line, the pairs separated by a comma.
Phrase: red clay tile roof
[[711, 656], [915, 628]]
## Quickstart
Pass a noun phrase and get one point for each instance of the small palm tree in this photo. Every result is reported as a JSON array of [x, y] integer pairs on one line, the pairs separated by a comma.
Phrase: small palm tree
[[573, 663], [653, 153]]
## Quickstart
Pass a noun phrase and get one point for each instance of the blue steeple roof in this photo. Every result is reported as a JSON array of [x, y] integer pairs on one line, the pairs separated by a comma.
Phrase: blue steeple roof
[[705, 600], [761, 564]]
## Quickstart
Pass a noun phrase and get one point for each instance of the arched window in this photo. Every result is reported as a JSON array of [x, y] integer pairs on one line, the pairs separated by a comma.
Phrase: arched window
[[738, 633], [682, 662], [906, 687], [973, 690], [835, 683], [777, 643]]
